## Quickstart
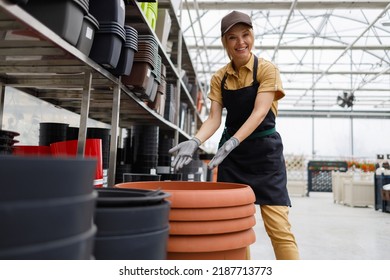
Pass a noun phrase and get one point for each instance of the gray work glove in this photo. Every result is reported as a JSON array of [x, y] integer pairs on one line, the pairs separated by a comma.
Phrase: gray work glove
[[185, 150], [223, 152]]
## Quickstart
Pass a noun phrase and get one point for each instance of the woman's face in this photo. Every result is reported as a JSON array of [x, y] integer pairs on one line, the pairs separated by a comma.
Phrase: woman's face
[[238, 42]]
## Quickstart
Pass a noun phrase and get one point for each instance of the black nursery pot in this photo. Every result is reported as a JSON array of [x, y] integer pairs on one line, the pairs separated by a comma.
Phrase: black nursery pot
[[33, 178], [113, 221], [26, 223], [143, 246], [78, 247], [115, 197]]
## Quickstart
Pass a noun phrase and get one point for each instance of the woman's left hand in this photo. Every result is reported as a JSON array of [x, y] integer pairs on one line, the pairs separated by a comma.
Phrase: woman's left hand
[[223, 152]]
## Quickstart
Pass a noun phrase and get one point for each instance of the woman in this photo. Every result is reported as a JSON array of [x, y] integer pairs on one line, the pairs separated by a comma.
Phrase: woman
[[250, 151]]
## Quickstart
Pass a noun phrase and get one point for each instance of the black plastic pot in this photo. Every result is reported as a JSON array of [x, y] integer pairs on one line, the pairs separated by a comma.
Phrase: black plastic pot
[[113, 197], [171, 176], [113, 10], [36, 178], [25, 223], [143, 246], [64, 17], [78, 247], [19, 2], [52, 132], [8, 133], [136, 177], [106, 48], [113, 221], [87, 34]]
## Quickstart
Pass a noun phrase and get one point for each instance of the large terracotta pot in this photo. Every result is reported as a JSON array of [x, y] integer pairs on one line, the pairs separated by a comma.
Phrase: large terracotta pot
[[220, 246], [235, 254], [207, 220], [199, 194]]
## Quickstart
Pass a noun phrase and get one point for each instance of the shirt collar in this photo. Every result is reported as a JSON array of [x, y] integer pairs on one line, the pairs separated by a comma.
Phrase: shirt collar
[[230, 70]]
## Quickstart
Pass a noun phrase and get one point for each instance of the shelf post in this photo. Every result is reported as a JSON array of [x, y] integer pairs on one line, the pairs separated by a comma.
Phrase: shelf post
[[178, 83], [2, 97], [84, 113], [114, 134]]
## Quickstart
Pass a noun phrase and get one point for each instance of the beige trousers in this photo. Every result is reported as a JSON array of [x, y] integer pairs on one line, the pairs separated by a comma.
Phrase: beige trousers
[[279, 230]]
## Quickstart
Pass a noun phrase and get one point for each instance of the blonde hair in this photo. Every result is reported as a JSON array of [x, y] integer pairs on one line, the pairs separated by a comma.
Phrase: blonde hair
[[224, 41]]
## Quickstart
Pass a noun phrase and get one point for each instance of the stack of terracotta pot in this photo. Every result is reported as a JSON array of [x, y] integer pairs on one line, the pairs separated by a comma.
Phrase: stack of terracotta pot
[[208, 220]]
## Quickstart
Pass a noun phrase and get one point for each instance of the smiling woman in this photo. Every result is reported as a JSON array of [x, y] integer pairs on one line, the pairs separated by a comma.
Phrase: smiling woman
[[250, 150]]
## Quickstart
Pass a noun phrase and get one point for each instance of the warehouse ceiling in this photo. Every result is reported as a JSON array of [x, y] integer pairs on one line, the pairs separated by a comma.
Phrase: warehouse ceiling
[[333, 55]]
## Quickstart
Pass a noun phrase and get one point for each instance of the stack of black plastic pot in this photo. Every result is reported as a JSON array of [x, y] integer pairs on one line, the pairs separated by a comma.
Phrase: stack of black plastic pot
[[170, 103], [129, 48], [46, 208], [133, 224], [7, 141], [193, 171], [166, 142], [159, 102], [108, 41], [63, 17], [51, 132], [146, 159], [142, 77]]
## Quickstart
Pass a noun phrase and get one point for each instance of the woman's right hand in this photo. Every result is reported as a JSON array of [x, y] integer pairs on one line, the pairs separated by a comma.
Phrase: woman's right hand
[[185, 150]]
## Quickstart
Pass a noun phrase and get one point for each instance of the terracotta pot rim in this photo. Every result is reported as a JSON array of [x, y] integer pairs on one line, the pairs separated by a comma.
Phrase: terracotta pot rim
[[189, 185], [199, 194], [211, 227], [234, 254], [212, 214], [211, 243]]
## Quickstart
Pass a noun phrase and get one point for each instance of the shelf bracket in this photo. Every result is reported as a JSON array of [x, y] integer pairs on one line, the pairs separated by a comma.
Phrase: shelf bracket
[[84, 113]]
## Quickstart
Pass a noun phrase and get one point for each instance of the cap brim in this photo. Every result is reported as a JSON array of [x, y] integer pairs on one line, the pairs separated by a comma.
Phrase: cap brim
[[233, 24]]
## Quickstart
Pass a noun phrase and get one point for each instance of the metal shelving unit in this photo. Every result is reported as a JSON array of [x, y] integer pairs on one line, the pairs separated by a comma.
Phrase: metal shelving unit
[[44, 65]]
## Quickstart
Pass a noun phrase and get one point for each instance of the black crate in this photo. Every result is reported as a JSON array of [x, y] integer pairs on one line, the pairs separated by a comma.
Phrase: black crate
[[320, 174], [380, 181]]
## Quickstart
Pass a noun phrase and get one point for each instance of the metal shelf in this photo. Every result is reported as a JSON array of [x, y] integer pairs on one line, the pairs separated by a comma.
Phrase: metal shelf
[[37, 61]]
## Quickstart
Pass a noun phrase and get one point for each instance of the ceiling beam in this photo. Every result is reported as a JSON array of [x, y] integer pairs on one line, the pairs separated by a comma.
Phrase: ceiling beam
[[285, 5], [345, 51], [302, 47], [386, 90], [319, 72], [334, 114]]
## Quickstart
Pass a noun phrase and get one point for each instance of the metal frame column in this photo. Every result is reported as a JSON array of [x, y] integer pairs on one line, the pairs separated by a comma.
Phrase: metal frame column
[[84, 113], [116, 99]]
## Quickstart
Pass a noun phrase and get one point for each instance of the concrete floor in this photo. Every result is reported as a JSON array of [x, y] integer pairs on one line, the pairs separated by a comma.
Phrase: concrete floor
[[328, 231]]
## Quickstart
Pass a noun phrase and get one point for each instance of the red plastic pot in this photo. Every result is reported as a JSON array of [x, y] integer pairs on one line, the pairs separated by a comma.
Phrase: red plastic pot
[[93, 149], [22, 150]]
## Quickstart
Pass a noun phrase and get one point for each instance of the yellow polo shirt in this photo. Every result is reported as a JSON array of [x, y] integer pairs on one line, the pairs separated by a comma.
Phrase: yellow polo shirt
[[267, 74]]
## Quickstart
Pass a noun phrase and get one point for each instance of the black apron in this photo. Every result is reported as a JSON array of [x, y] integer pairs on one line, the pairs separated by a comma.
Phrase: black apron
[[258, 161]]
